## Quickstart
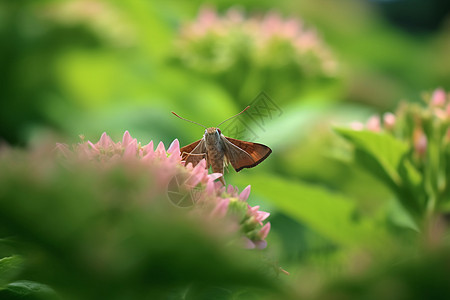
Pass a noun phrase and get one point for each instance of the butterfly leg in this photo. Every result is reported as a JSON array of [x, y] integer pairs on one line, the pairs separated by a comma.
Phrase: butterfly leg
[[221, 179], [193, 158]]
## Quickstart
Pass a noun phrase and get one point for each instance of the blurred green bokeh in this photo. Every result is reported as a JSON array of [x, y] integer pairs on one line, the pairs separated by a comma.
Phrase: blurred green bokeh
[[83, 67]]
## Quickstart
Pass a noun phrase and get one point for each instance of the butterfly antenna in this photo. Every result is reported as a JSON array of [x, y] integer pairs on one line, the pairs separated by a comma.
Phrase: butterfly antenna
[[188, 120], [234, 116]]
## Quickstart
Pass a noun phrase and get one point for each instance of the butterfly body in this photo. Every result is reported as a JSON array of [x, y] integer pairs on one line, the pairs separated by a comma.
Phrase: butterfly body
[[219, 151], [215, 153]]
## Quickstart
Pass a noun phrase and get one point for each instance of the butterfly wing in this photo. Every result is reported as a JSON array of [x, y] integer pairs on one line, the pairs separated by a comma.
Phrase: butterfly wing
[[243, 154], [194, 153]]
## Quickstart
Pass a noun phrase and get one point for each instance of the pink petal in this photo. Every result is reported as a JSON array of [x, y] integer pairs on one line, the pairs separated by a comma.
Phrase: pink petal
[[261, 216], [189, 167], [373, 124], [194, 179], [357, 126], [174, 148], [130, 150], [245, 193], [64, 149], [105, 141], [214, 176], [93, 146], [85, 152], [262, 244], [438, 98], [148, 149], [290, 29], [126, 138], [149, 156], [221, 208], [421, 143], [389, 120], [207, 17], [201, 165], [200, 168], [247, 243], [160, 150], [219, 187], [264, 231], [231, 190], [210, 190], [253, 209]]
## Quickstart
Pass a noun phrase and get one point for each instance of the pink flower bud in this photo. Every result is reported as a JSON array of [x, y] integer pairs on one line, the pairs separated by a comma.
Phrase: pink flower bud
[[373, 124], [420, 142], [207, 17], [262, 244], [438, 98], [357, 126], [389, 120], [245, 193], [105, 141], [221, 208], [264, 231], [247, 243]]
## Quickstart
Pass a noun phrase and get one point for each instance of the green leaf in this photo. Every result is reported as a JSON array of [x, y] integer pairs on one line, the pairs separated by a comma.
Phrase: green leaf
[[380, 153], [328, 213], [386, 158], [9, 267], [29, 290]]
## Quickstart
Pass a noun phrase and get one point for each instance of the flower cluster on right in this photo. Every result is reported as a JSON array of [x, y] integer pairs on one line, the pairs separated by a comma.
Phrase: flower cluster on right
[[410, 151], [417, 124]]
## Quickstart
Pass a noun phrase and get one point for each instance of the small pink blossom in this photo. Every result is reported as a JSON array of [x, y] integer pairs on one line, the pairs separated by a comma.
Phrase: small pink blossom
[[63, 149], [174, 148], [373, 124], [264, 231], [221, 208], [358, 126], [131, 149], [161, 150], [105, 141], [261, 216], [198, 174], [127, 139], [247, 243], [389, 120], [207, 17], [438, 98], [243, 196], [261, 244], [420, 142]]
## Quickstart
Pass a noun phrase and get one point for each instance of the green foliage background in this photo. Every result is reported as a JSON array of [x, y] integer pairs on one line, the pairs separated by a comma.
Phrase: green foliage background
[[339, 225]]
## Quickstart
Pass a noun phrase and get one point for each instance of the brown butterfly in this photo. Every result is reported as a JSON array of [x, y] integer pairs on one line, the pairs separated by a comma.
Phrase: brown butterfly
[[219, 150]]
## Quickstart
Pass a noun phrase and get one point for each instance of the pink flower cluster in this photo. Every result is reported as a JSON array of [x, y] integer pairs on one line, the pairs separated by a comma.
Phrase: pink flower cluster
[[374, 123], [269, 39], [251, 218], [209, 197]]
